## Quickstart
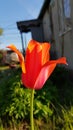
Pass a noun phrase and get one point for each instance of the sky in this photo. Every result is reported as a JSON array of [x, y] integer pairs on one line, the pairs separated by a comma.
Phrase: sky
[[12, 11]]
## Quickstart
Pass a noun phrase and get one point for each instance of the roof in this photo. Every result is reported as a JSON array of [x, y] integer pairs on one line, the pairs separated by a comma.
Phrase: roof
[[44, 8], [25, 26]]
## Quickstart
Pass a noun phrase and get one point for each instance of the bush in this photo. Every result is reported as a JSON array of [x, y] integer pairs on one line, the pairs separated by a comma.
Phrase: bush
[[15, 98]]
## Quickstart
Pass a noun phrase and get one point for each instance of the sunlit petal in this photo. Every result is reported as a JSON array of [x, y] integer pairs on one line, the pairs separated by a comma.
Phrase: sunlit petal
[[20, 56], [45, 52], [32, 44]]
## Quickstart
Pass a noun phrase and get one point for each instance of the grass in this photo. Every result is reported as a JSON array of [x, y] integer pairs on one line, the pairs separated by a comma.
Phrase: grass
[[4, 68]]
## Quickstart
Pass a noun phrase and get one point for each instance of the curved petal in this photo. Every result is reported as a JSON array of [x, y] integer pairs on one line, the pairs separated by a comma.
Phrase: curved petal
[[46, 71], [20, 56], [43, 76], [59, 61]]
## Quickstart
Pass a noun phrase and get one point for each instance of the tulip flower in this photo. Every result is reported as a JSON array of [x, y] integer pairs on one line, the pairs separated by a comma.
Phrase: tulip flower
[[36, 66]]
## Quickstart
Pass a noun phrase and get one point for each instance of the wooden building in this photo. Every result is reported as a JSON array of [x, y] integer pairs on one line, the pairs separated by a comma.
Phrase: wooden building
[[55, 25]]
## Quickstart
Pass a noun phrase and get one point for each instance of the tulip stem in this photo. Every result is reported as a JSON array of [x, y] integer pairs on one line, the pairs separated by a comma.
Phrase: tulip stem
[[31, 110]]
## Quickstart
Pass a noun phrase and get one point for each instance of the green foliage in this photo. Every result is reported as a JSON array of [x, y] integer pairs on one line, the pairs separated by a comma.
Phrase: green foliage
[[15, 98], [53, 104], [43, 100], [63, 119], [1, 125], [19, 104]]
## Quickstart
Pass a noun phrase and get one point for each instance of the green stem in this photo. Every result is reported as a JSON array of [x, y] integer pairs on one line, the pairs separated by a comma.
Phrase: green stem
[[31, 110]]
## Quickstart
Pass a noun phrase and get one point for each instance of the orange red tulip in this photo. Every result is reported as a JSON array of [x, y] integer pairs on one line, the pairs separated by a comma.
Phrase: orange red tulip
[[36, 66]]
